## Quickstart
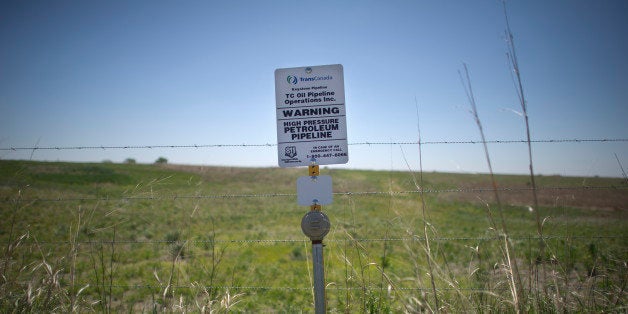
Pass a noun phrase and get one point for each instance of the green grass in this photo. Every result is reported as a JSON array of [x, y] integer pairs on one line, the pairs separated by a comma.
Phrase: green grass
[[136, 235]]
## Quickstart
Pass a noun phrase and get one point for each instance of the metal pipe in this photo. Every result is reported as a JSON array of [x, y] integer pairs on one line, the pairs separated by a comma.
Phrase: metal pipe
[[320, 306], [315, 224]]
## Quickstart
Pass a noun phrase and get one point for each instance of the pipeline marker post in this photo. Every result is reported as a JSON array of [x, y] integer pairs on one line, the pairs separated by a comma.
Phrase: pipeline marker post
[[312, 131], [315, 224], [316, 191]]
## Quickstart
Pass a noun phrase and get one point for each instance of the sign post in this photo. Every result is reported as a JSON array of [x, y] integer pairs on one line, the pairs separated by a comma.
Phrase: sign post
[[312, 131], [315, 224]]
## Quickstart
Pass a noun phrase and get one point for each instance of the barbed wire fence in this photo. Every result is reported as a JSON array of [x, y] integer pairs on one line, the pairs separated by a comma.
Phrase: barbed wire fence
[[286, 195], [178, 146], [273, 242], [244, 243]]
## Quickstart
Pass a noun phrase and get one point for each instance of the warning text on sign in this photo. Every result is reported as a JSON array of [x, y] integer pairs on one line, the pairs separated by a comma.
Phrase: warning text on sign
[[310, 115]]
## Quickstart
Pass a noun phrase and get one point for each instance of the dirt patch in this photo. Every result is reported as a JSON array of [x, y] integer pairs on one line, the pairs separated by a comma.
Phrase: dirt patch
[[608, 194], [602, 198]]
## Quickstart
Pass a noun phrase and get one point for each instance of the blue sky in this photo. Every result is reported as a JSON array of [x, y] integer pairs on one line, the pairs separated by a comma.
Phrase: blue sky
[[117, 73]]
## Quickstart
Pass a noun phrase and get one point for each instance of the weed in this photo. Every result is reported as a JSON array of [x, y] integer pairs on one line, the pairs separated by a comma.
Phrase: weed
[[510, 263], [95, 254]]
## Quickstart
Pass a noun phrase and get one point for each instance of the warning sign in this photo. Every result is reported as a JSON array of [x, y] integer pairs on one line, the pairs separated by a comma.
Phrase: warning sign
[[311, 118]]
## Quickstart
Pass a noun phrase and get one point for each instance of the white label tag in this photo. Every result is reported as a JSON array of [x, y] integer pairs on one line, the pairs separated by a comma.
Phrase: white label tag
[[318, 190]]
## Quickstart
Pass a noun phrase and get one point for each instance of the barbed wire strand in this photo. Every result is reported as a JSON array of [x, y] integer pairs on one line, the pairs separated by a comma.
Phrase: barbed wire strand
[[443, 142], [331, 240], [273, 195], [258, 288], [328, 287]]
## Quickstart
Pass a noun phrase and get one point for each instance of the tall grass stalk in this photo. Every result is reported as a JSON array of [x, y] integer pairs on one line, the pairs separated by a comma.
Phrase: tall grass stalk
[[168, 293], [364, 275], [348, 266], [51, 285], [103, 273], [215, 259], [10, 245], [419, 185], [514, 64], [623, 172], [384, 259], [511, 262], [74, 236]]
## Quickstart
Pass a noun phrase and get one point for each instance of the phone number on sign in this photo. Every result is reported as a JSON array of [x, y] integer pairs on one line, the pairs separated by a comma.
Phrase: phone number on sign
[[327, 155]]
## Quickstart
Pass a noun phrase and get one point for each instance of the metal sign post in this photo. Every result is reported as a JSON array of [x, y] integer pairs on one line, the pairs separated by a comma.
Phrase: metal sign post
[[315, 224]]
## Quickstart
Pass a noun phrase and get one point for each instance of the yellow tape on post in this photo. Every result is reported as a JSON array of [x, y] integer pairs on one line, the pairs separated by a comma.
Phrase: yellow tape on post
[[314, 170]]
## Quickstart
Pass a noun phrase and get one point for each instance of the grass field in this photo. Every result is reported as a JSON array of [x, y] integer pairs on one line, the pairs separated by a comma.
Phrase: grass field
[[165, 238]]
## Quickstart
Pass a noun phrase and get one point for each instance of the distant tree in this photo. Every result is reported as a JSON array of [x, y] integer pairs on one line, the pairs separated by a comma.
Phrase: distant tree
[[129, 161], [161, 160]]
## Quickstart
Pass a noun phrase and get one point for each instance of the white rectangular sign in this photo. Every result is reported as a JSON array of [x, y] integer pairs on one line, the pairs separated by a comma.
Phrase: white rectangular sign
[[314, 190], [311, 118]]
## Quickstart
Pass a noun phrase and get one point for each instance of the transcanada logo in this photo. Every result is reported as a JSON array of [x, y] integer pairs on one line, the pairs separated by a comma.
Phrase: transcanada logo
[[293, 80]]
